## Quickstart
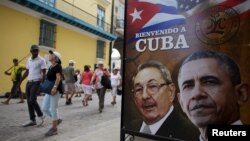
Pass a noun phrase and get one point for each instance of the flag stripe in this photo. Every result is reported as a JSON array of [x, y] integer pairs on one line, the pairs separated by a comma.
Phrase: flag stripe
[[163, 17], [166, 25], [172, 3], [229, 3]]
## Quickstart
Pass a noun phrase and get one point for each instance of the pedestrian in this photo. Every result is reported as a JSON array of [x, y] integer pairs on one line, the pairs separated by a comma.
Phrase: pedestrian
[[86, 84], [16, 74], [50, 101], [78, 83], [115, 83], [35, 71], [100, 89], [69, 86]]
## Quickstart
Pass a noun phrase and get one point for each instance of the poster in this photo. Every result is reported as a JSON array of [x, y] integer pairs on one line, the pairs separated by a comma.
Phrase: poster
[[168, 31]]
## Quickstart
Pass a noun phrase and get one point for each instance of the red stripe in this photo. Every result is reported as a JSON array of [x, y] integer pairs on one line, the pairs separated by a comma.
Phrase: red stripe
[[231, 3], [245, 15]]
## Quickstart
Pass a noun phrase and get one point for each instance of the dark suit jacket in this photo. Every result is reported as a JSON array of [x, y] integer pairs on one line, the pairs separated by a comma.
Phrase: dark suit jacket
[[175, 126]]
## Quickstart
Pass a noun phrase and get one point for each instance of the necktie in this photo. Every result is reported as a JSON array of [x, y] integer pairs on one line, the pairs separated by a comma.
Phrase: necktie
[[146, 129]]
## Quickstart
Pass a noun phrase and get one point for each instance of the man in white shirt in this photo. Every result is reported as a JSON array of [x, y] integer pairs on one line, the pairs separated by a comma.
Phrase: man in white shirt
[[35, 71], [211, 91]]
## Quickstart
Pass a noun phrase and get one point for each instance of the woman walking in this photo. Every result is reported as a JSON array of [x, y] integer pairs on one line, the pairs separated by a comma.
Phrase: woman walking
[[115, 83], [86, 85], [50, 101]]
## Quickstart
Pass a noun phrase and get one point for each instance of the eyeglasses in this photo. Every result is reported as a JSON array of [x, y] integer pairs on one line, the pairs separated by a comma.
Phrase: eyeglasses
[[151, 88]]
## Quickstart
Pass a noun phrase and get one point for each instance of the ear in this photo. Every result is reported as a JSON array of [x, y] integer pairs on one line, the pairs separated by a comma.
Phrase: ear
[[172, 89], [242, 93]]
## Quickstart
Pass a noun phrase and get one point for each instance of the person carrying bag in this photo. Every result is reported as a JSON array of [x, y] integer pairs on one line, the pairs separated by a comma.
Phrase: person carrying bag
[[52, 95]]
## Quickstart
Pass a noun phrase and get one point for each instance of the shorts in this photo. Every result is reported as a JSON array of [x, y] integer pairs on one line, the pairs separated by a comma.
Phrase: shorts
[[69, 88], [88, 89]]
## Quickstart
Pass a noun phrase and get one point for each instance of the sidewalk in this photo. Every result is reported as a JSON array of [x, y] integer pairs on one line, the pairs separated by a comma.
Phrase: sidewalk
[[79, 123]]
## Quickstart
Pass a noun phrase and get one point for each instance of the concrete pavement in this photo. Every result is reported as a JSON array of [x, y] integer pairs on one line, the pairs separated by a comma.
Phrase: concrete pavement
[[79, 123]]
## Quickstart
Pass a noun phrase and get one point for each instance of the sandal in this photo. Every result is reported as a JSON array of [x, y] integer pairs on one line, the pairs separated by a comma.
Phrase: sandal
[[84, 103]]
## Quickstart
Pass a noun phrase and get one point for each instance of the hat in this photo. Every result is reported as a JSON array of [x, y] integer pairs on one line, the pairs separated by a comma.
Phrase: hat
[[57, 54], [72, 61], [100, 62], [34, 47]]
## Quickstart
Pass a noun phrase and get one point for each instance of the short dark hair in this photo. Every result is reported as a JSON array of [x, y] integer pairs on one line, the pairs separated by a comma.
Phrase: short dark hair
[[158, 65], [15, 60], [225, 62]]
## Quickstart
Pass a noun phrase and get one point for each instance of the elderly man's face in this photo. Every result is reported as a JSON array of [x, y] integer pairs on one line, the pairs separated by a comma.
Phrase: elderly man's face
[[207, 95], [152, 96]]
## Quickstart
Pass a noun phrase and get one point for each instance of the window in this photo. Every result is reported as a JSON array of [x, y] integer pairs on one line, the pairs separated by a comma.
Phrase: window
[[100, 17], [120, 17], [47, 34], [49, 2], [100, 49]]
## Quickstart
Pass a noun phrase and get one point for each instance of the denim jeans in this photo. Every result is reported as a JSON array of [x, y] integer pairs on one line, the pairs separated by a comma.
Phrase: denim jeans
[[50, 105]]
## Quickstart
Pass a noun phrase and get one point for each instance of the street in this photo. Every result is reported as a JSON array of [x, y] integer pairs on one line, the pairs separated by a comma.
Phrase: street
[[79, 123]]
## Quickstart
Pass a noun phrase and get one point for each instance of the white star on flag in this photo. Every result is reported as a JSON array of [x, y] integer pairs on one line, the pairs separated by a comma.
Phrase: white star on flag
[[136, 15]]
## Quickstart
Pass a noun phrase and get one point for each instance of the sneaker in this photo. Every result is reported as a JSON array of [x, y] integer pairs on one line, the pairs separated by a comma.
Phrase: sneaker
[[30, 123], [41, 120], [51, 132], [59, 121]]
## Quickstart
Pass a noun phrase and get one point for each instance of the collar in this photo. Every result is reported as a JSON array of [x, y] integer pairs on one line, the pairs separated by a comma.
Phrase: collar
[[237, 122], [155, 127]]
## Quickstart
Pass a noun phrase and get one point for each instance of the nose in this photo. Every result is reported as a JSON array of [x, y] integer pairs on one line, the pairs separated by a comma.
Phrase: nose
[[198, 92], [145, 93]]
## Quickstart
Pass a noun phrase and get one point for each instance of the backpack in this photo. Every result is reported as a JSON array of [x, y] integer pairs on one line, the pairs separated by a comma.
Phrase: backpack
[[75, 77], [106, 82]]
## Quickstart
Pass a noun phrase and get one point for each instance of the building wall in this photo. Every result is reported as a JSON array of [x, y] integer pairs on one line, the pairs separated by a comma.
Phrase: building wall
[[89, 6], [19, 31]]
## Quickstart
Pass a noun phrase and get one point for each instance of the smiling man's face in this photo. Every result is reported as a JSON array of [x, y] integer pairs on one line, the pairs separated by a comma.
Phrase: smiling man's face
[[207, 94]]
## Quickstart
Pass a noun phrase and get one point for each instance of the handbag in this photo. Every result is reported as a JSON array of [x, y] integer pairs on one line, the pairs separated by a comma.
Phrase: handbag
[[119, 91], [46, 86]]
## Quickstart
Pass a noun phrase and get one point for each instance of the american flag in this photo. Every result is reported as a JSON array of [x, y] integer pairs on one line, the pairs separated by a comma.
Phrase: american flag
[[149, 15]]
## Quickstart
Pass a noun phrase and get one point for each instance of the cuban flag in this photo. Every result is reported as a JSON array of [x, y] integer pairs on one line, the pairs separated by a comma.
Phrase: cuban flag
[[149, 15]]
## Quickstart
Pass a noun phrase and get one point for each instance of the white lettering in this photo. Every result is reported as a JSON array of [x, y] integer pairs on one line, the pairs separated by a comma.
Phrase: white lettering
[[161, 43], [138, 43], [181, 42], [216, 132], [183, 29], [167, 42], [157, 32], [150, 46]]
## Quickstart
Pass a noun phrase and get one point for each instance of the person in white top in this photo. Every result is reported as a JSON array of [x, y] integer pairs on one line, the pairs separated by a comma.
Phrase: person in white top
[[100, 89], [115, 83], [211, 90], [35, 70]]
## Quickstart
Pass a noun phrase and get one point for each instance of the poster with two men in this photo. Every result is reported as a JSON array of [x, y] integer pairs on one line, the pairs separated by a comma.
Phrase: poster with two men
[[186, 68]]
